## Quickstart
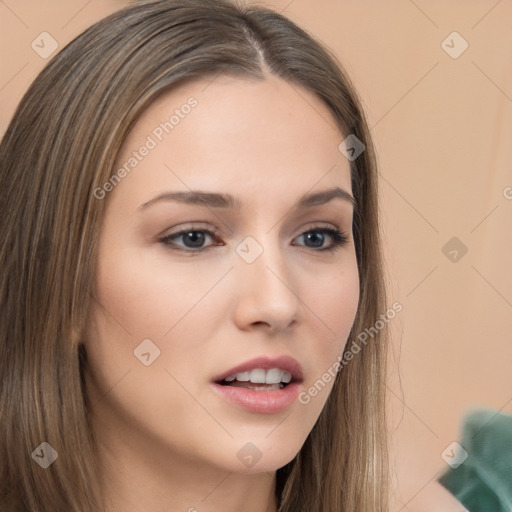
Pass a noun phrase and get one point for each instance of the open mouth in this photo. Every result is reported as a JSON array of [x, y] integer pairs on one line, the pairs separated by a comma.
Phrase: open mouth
[[259, 379], [261, 386]]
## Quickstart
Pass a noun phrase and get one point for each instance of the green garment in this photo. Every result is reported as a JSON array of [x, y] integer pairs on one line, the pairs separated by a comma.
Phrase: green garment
[[483, 482]]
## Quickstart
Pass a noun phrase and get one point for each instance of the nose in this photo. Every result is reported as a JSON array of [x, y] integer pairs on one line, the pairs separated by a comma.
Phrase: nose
[[266, 291]]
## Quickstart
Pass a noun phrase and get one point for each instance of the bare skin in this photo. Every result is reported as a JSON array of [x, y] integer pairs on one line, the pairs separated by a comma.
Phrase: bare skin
[[168, 441]]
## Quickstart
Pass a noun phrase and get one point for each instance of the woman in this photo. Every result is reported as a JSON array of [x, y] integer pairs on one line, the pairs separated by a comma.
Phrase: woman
[[233, 373]]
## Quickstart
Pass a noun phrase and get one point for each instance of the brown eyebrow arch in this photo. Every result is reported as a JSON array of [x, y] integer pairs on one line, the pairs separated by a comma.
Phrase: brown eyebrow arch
[[216, 200]]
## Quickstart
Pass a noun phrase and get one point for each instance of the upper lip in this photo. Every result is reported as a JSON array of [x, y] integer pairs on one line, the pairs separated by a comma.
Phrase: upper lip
[[286, 363]]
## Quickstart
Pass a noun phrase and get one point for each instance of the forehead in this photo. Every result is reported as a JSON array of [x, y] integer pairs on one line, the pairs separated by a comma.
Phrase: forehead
[[249, 138]]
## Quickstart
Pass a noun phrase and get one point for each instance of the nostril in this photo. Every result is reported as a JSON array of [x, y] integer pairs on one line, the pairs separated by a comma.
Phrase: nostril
[[261, 322]]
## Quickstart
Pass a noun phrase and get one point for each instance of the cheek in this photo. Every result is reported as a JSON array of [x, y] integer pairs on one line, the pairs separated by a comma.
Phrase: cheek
[[333, 311], [141, 297], [142, 305], [148, 296], [337, 303]]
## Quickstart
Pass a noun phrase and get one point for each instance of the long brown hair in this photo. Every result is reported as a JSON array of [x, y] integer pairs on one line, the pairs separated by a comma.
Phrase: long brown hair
[[59, 147]]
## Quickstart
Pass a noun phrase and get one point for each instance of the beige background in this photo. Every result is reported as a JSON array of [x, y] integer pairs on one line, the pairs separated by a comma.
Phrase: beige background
[[443, 130]]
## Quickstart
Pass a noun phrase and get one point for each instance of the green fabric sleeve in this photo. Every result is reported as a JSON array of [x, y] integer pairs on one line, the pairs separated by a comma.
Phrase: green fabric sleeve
[[483, 482]]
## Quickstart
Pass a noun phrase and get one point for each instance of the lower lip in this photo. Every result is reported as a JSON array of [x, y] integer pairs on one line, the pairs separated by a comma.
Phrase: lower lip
[[263, 402]]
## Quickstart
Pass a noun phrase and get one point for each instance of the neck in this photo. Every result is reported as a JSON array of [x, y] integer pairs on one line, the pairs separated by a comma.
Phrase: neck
[[139, 476]]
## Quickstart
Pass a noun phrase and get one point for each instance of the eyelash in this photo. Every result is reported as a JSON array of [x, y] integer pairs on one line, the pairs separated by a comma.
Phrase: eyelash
[[340, 239]]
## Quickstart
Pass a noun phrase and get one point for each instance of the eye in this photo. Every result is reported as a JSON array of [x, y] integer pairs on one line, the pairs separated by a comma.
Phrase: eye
[[194, 239], [339, 238]]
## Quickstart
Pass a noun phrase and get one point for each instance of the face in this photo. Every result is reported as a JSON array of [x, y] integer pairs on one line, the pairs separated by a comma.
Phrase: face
[[194, 289]]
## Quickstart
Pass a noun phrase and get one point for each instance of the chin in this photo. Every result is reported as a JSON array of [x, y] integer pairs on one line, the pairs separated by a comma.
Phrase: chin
[[263, 454]]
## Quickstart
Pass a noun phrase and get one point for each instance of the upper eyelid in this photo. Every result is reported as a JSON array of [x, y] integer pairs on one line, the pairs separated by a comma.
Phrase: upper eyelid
[[331, 208], [216, 231]]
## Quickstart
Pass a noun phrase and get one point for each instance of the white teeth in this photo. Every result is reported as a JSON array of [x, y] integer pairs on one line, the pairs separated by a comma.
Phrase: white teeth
[[260, 376], [274, 376], [287, 377], [257, 376]]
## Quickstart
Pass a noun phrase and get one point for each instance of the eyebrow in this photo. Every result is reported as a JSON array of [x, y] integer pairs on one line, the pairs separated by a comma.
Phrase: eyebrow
[[216, 200]]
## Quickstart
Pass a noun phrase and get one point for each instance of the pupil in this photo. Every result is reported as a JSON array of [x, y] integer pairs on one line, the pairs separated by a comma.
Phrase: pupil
[[319, 237], [196, 237]]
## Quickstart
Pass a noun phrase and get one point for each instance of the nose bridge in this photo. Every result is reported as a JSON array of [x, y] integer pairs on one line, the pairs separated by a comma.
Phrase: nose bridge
[[266, 287]]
